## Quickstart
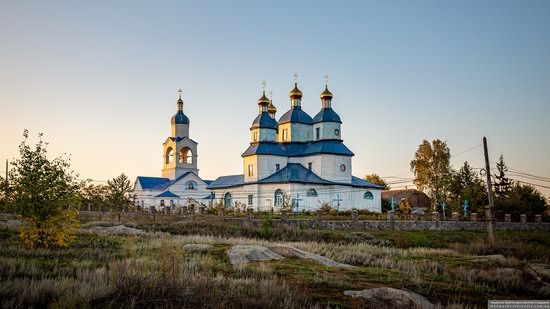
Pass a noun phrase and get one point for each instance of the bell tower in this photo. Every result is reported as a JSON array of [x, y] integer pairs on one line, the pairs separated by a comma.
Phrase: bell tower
[[180, 151]]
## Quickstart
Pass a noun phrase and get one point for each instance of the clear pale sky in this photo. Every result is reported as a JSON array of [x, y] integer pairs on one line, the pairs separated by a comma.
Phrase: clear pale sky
[[99, 78]]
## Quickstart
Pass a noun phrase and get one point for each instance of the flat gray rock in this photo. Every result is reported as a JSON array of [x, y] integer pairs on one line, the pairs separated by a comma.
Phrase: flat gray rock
[[118, 229], [197, 247], [291, 252], [240, 254], [391, 298]]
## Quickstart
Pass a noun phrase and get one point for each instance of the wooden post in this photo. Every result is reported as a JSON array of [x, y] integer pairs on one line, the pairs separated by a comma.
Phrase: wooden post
[[489, 218], [523, 218]]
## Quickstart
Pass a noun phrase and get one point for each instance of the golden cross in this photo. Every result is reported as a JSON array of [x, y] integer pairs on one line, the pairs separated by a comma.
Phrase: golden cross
[[271, 96], [295, 77], [263, 85], [326, 79], [179, 93]]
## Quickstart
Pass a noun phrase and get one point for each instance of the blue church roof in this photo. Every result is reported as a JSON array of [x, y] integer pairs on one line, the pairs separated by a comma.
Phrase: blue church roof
[[293, 172], [158, 183], [167, 194], [299, 149], [296, 115], [263, 120], [180, 118], [326, 115]]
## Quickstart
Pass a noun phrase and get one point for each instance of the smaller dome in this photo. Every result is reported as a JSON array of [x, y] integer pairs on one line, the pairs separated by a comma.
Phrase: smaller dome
[[271, 108], [263, 100], [180, 118], [296, 93], [326, 95]]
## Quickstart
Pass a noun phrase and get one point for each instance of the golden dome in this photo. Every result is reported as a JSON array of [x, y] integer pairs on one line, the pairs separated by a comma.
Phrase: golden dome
[[271, 108], [326, 94], [263, 100], [295, 93]]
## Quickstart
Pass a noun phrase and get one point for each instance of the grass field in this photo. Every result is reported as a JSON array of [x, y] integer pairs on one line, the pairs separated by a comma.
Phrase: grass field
[[153, 270]]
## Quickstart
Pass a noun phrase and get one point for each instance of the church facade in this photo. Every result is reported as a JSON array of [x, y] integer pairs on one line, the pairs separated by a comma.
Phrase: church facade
[[180, 184], [297, 162]]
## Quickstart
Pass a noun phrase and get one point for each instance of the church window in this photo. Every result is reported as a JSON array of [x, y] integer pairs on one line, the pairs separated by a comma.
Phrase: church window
[[162, 203], [250, 197], [336, 132], [250, 170], [343, 167], [311, 192], [186, 156], [277, 167], [310, 165], [285, 131], [279, 198], [169, 155], [368, 195], [317, 133], [191, 185], [227, 200], [255, 136]]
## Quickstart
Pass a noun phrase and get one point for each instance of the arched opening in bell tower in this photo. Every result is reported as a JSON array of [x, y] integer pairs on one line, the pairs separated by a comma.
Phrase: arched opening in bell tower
[[169, 156], [186, 156]]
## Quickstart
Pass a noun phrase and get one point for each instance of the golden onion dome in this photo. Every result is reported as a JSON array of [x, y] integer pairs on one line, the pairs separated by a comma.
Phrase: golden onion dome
[[296, 93], [263, 100], [326, 94], [271, 108]]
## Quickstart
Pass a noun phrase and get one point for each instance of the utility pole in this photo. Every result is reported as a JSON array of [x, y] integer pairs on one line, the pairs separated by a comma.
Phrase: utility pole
[[489, 208], [7, 172]]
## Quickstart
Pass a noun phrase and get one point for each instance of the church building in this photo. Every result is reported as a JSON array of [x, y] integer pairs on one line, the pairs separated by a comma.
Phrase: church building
[[180, 184], [297, 162]]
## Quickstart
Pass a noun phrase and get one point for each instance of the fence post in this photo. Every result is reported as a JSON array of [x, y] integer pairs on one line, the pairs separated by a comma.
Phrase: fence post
[[538, 218], [507, 218], [455, 216], [415, 216], [249, 212], [319, 215], [436, 216], [473, 216], [523, 218], [391, 216], [354, 215]]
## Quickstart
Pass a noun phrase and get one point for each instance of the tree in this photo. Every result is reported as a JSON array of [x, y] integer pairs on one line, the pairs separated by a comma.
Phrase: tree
[[3, 195], [431, 167], [377, 180], [94, 197], [465, 184], [502, 183], [521, 198], [118, 189], [45, 197], [405, 207]]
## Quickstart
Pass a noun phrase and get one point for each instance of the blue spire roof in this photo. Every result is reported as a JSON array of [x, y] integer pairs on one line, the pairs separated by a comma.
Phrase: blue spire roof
[[263, 120], [299, 149], [296, 115], [326, 114], [180, 118]]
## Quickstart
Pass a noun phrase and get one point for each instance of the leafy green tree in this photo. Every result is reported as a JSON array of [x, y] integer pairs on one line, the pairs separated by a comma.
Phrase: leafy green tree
[[45, 197], [118, 189], [521, 198], [431, 167], [3, 197], [465, 184], [377, 180], [94, 197], [503, 184]]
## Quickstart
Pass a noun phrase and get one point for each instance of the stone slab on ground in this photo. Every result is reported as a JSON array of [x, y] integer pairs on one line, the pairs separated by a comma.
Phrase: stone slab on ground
[[197, 247], [240, 254], [291, 252], [118, 230], [391, 298]]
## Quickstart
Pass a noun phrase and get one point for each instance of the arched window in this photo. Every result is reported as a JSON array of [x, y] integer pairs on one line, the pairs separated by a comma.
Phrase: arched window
[[368, 195], [311, 192], [279, 197], [169, 155], [186, 156], [191, 185], [161, 202], [227, 200]]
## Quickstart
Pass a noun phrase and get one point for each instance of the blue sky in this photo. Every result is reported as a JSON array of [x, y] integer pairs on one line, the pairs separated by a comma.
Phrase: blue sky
[[99, 78]]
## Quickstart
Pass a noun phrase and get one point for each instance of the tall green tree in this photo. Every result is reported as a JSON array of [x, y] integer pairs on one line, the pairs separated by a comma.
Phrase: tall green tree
[[521, 198], [44, 194], [503, 184], [465, 184], [377, 180], [3, 197], [118, 189], [432, 168], [94, 197]]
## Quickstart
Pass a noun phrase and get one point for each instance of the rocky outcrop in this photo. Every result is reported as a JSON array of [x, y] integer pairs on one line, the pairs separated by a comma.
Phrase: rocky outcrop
[[241, 254], [291, 252], [391, 298]]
